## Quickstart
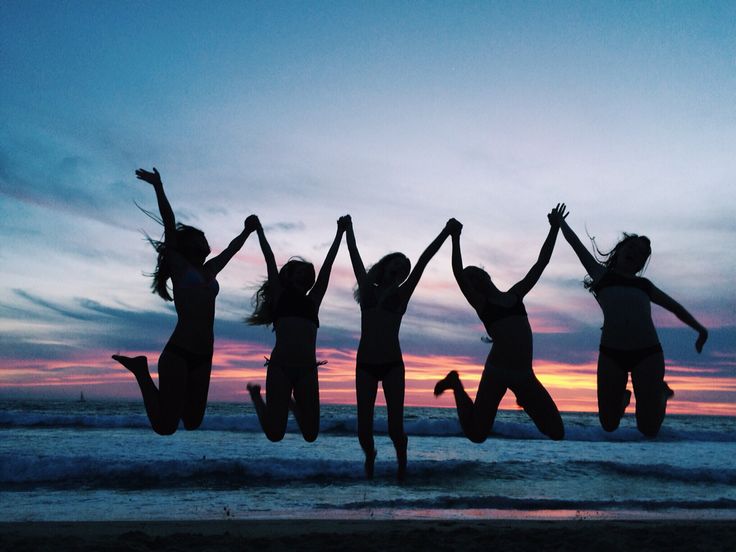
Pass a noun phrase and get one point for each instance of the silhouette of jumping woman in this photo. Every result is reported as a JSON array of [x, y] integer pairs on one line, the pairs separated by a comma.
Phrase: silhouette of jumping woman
[[383, 293], [629, 341], [290, 300], [185, 363], [509, 363]]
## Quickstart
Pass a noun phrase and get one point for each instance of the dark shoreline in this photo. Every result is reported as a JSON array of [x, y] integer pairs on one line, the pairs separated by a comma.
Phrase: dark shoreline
[[382, 535]]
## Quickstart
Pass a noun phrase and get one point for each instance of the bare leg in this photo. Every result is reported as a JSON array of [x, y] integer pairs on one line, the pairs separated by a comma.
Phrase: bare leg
[[463, 402], [393, 390], [537, 403], [366, 387], [274, 412], [491, 390], [476, 419], [611, 392], [306, 405], [651, 394], [625, 401], [254, 390], [164, 406], [198, 389]]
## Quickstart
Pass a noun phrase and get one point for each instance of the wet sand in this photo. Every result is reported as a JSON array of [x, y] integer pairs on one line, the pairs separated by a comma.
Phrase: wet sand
[[381, 535]]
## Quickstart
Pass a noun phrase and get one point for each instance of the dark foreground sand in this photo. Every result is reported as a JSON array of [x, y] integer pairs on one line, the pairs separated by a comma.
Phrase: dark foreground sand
[[384, 536]]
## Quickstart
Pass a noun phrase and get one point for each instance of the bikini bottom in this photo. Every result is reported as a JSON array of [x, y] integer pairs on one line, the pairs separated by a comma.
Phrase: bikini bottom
[[296, 372], [379, 370], [192, 360], [628, 359], [510, 377]]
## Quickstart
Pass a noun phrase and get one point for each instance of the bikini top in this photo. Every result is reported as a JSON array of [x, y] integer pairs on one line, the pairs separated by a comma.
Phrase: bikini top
[[392, 303], [611, 279], [492, 312], [293, 303], [194, 279]]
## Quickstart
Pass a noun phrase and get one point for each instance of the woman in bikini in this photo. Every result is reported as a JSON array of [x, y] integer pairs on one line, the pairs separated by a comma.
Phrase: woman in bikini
[[629, 341], [383, 293], [290, 300], [509, 363], [185, 364]]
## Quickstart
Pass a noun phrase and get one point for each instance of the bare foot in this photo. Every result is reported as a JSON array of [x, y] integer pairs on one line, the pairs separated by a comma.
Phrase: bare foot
[[448, 382], [667, 394], [370, 462], [137, 365], [625, 400], [401, 459], [255, 391]]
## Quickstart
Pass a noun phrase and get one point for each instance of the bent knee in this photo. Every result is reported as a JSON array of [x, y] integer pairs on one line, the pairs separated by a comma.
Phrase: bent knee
[[310, 436], [191, 425], [476, 436], [274, 432], [275, 436], [648, 429], [166, 428], [609, 424], [557, 435]]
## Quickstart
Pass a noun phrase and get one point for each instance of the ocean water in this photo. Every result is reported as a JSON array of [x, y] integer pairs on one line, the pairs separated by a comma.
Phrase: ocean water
[[99, 460]]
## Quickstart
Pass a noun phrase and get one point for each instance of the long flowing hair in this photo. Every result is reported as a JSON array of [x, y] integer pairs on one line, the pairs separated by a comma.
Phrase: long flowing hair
[[185, 235], [610, 258], [263, 301], [376, 273]]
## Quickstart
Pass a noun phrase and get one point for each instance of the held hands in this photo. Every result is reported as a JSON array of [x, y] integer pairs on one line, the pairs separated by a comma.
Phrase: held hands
[[453, 227], [557, 215], [702, 338], [153, 178], [251, 224], [344, 223]]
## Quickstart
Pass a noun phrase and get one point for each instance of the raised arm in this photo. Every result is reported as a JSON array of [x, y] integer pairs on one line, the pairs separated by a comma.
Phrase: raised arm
[[545, 254], [408, 287], [217, 263], [164, 207], [592, 267], [357, 262], [665, 301], [474, 297], [320, 285], [273, 271]]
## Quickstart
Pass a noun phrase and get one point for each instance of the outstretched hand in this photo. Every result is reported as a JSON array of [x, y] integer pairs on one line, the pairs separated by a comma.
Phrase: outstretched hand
[[454, 227], [702, 338], [344, 223], [557, 215], [152, 178], [251, 223]]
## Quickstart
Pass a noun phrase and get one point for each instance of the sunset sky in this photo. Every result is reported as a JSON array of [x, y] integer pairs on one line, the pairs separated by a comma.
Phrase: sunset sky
[[402, 114]]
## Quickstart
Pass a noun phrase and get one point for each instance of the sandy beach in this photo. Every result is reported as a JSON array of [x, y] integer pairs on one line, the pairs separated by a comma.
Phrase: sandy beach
[[325, 535]]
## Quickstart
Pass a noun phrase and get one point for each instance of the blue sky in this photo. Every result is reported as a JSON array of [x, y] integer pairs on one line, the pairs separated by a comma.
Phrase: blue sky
[[401, 114]]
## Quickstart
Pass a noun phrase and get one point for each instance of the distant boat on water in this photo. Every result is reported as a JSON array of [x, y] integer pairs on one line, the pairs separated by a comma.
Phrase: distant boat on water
[[81, 397]]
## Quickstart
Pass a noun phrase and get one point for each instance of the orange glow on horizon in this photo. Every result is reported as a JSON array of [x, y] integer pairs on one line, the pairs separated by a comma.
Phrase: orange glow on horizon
[[573, 387]]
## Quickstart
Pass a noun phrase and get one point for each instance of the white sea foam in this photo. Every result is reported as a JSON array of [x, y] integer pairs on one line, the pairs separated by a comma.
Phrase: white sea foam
[[345, 423], [95, 472]]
